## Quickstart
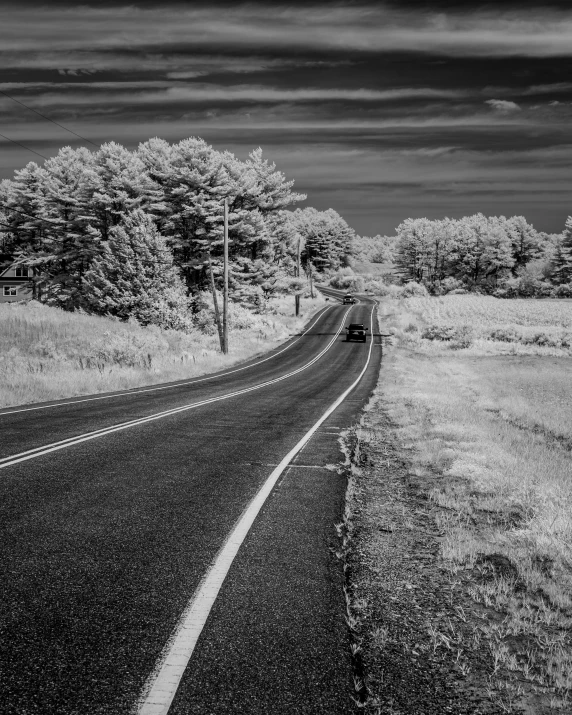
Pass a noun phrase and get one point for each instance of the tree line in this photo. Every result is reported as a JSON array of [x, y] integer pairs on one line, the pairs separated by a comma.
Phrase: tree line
[[137, 233], [503, 256]]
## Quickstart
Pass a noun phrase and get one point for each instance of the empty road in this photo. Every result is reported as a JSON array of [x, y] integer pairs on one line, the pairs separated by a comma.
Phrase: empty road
[[114, 509]]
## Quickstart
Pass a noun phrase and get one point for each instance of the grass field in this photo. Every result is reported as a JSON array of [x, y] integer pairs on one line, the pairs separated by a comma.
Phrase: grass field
[[377, 270], [493, 419], [488, 326], [47, 353], [485, 311]]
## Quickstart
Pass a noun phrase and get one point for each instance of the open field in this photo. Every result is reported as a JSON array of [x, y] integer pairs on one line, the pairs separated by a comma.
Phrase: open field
[[486, 437], [485, 311], [487, 326], [47, 353], [377, 270]]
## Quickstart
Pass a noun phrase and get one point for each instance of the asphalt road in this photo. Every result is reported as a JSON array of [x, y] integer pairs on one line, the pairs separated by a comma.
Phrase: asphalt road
[[104, 541]]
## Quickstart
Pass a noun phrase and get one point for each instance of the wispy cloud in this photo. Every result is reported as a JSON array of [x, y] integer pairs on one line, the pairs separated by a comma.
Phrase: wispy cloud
[[504, 106], [553, 88], [359, 28], [236, 93]]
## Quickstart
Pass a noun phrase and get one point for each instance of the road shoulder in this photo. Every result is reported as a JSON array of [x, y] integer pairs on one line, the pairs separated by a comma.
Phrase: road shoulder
[[412, 619], [447, 613]]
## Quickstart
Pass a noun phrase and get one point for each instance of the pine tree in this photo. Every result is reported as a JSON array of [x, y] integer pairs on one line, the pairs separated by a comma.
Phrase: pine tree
[[70, 238], [561, 264], [526, 243], [122, 184], [194, 187], [327, 237], [414, 248], [23, 205], [135, 277], [252, 283]]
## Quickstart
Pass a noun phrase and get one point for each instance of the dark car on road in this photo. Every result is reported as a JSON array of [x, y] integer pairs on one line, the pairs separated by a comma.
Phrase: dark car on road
[[349, 299], [356, 331]]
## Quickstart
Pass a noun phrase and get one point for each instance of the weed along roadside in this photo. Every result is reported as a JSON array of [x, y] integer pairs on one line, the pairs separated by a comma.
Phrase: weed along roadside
[[457, 525]]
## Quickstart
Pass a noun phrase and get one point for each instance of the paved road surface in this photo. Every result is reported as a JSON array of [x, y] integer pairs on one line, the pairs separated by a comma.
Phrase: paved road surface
[[105, 540]]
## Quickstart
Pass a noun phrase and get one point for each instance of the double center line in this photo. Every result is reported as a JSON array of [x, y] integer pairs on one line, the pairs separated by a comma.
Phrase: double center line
[[95, 434]]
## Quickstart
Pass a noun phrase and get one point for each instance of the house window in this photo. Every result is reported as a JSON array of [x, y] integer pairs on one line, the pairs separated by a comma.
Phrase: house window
[[22, 272], [10, 290]]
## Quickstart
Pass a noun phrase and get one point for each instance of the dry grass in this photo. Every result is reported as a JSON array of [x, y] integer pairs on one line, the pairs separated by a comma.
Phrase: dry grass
[[46, 353], [499, 432], [484, 311], [377, 270], [483, 325]]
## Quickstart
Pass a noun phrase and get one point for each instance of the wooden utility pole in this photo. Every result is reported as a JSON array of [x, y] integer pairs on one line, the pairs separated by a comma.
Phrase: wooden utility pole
[[216, 310], [225, 287], [297, 296], [311, 280]]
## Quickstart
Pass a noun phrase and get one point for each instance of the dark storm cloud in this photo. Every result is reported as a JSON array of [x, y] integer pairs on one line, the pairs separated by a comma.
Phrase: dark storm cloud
[[435, 98]]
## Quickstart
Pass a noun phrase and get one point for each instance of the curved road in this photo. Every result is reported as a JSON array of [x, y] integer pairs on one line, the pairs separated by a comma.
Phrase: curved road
[[113, 510]]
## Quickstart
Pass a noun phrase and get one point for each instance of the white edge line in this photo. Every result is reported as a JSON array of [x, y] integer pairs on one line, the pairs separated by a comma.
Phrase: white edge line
[[171, 385], [78, 439], [162, 685]]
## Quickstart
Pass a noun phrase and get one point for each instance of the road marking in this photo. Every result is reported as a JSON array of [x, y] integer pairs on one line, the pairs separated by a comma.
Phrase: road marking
[[166, 387], [71, 441], [290, 466], [163, 683]]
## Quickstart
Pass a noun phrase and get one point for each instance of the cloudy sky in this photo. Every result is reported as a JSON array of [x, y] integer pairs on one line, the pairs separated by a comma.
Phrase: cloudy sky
[[380, 110]]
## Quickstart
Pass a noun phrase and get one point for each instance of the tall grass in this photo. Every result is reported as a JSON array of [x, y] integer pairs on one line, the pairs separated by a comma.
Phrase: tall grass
[[498, 432], [487, 325], [47, 353], [484, 311]]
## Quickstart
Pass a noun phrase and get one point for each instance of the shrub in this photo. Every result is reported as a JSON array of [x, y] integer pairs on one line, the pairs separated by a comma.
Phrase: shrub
[[380, 257], [439, 332], [563, 291], [463, 338], [384, 289], [540, 338], [506, 334], [205, 321], [414, 289], [240, 318], [459, 336], [451, 285], [373, 286], [350, 283]]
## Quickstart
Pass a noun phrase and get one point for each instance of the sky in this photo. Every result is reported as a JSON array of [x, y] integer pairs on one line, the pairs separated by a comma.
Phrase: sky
[[379, 110]]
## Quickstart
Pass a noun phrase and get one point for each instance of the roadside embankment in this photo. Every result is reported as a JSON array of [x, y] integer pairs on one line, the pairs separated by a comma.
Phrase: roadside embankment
[[47, 353], [461, 529]]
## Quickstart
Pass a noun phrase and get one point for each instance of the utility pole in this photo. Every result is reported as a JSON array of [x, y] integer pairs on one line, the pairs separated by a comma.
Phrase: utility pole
[[310, 266], [215, 304], [297, 296], [225, 287]]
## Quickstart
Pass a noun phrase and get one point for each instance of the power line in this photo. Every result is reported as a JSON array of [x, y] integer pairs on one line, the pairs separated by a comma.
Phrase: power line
[[38, 218], [49, 120], [23, 146], [8, 226]]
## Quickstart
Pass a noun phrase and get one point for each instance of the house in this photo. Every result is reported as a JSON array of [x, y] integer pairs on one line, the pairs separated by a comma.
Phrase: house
[[15, 283]]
